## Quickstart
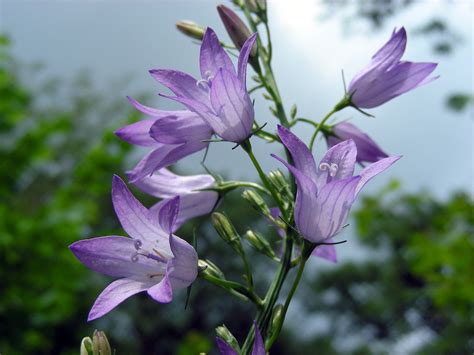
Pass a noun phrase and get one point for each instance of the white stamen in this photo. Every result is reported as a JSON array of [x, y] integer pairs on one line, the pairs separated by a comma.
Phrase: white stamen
[[332, 168]]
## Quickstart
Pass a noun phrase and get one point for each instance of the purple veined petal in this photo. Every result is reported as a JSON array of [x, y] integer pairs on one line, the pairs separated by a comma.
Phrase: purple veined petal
[[403, 77], [168, 213], [373, 170], [213, 56], [301, 155], [306, 197], [232, 106], [114, 294], [338, 163], [333, 204], [133, 217], [258, 344], [137, 133], [244, 58], [112, 256], [367, 149], [163, 291], [192, 205], [183, 268], [224, 348], [327, 252], [182, 84], [163, 156], [165, 184], [176, 129], [153, 112]]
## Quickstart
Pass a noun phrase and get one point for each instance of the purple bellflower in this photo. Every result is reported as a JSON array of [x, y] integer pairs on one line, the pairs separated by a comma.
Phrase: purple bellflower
[[386, 76], [258, 345], [326, 192], [367, 149], [172, 135], [167, 185], [220, 97], [152, 259]]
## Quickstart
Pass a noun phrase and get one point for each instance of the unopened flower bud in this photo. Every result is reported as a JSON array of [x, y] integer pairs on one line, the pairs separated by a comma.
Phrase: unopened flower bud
[[278, 180], [211, 268], [100, 344], [277, 318], [226, 231], [256, 6], [256, 201], [235, 27], [191, 29], [259, 243], [86, 346], [226, 335]]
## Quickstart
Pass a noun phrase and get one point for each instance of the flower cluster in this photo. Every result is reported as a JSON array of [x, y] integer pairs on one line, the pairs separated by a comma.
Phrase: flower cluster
[[313, 203]]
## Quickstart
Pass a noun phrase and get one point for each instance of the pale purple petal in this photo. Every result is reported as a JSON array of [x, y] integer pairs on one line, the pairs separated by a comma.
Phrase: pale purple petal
[[224, 348], [114, 294], [165, 184], [180, 129], [163, 291], [232, 105], [213, 56], [338, 163], [374, 169], [113, 256], [182, 84], [244, 58], [327, 252], [134, 217], [182, 269], [168, 213], [301, 155], [333, 204], [137, 133], [153, 112], [258, 344]]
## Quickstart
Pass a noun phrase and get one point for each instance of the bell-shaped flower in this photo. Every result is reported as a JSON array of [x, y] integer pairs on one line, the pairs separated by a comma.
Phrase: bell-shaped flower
[[220, 97], [152, 259], [257, 349], [167, 185], [367, 149], [387, 76], [326, 191], [172, 135]]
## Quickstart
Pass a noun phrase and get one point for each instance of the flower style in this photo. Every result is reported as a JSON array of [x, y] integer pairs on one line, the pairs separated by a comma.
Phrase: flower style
[[220, 98], [258, 345], [326, 192], [367, 149], [173, 135], [166, 185], [152, 259], [386, 76]]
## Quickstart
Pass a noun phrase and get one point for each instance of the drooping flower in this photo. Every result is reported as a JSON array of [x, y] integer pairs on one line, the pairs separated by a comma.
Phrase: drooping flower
[[151, 259], [166, 185], [220, 97], [172, 135], [367, 149], [258, 345], [386, 76], [326, 192], [327, 252]]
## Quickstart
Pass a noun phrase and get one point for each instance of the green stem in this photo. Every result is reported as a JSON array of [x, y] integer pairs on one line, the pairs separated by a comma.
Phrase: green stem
[[248, 271], [318, 128]]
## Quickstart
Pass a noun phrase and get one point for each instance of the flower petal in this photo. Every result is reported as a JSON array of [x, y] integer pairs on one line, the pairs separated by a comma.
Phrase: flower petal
[[232, 105], [112, 256], [137, 133], [301, 155], [165, 184], [163, 291], [182, 269], [213, 56], [224, 348], [153, 112], [327, 252], [182, 84], [180, 129], [374, 169], [168, 213], [244, 58], [134, 217], [258, 344], [114, 294]]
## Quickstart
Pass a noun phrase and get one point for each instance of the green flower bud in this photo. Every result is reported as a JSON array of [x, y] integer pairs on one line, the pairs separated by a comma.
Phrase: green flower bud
[[278, 180], [256, 6], [190, 29], [259, 243], [100, 344], [277, 318], [256, 201], [226, 231], [86, 346], [226, 335], [210, 268]]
